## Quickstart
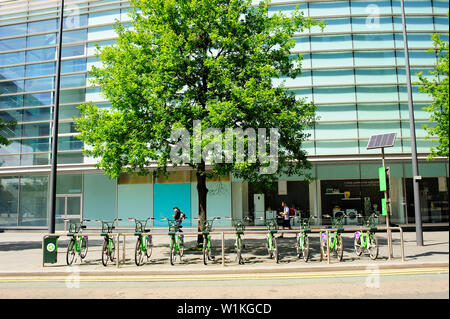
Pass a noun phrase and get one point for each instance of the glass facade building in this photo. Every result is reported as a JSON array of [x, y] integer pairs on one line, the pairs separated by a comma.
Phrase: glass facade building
[[354, 71]]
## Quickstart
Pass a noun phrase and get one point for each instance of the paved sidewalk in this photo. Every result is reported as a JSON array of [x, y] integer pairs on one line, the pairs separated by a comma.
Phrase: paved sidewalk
[[21, 254]]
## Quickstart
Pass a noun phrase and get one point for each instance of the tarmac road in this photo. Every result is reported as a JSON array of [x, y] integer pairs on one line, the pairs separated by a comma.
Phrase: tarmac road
[[422, 283]]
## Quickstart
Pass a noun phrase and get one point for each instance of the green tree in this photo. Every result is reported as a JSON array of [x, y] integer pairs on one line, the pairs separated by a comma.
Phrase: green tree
[[5, 126], [437, 87], [211, 61]]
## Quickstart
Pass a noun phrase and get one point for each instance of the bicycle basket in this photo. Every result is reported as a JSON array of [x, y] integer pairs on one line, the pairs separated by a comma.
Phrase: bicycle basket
[[107, 227], [338, 222], [139, 227], [370, 222], [173, 226], [74, 227], [239, 225], [271, 224]]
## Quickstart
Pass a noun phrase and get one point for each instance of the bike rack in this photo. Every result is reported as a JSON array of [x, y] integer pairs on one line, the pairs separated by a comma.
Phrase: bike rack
[[232, 232]]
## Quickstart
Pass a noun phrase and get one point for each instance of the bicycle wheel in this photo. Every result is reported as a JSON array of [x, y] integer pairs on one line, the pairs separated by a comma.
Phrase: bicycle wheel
[[138, 253], [306, 248], [358, 245], [84, 247], [339, 247], [275, 250], [105, 254], [148, 246], [205, 250], [323, 248], [112, 254], [297, 246], [373, 246], [239, 251], [70, 255], [172, 250]]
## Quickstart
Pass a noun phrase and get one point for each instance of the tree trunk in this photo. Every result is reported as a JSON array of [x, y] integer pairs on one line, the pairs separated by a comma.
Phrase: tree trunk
[[202, 196]]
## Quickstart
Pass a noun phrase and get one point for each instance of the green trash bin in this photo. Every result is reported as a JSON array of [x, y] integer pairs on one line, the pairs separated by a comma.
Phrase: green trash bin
[[50, 249]]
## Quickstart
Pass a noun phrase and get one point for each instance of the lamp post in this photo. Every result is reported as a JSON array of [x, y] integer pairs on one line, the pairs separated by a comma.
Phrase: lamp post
[[416, 177], [54, 154]]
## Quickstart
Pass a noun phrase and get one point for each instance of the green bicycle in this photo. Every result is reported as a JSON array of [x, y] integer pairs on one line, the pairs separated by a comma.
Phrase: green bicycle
[[334, 241], [239, 225], [176, 240], [207, 242], [144, 240], [271, 242], [78, 244], [109, 246], [302, 241], [366, 240]]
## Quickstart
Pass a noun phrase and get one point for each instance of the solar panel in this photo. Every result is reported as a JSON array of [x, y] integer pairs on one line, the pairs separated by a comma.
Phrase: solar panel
[[381, 140]]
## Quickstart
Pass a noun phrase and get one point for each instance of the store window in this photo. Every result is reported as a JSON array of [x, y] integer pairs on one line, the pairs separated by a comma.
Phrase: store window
[[350, 197], [433, 199]]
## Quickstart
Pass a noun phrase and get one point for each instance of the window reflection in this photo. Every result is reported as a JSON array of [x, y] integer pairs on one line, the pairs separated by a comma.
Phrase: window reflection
[[33, 201]]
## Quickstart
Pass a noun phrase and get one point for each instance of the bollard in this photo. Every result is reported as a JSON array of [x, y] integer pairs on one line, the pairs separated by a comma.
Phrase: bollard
[[223, 249]]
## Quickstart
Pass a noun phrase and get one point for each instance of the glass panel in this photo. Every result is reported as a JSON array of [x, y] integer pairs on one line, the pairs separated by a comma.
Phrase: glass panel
[[331, 42], [42, 26], [69, 143], [72, 50], [75, 36], [73, 205], [376, 93], [331, 77], [323, 9], [378, 111], [375, 76], [12, 44], [415, 40], [367, 129], [372, 23], [36, 129], [38, 99], [13, 115], [417, 58], [440, 6], [41, 55], [376, 41], [441, 23], [336, 112], [11, 87], [70, 157], [12, 58], [334, 25], [8, 161], [332, 59], [336, 147], [73, 80], [413, 6], [38, 114], [101, 33], [7, 102], [99, 197], [69, 184], [14, 29], [373, 7], [40, 69], [301, 44], [104, 17], [68, 111], [334, 95], [328, 130], [72, 96], [419, 111], [14, 72], [414, 23], [60, 209], [367, 58], [40, 84], [74, 20], [41, 40], [35, 145], [34, 159], [33, 201], [70, 66], [9, 196], [11, 131]]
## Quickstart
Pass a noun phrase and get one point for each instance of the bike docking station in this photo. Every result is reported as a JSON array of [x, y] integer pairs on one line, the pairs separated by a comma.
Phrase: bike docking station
[[50, 251]]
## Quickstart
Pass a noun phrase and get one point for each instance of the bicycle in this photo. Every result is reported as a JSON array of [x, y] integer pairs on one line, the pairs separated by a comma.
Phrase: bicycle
[[366, 240], [207, 242], [109, 246], [176, 240], [239, 225], [302, 240], [334, 242], [271, 242], [78, 244], [144, 240]]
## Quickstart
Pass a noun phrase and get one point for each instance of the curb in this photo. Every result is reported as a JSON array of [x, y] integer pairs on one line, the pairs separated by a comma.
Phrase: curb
[[234, 271]]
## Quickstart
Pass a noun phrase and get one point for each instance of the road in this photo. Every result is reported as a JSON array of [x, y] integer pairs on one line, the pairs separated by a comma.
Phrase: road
[[422, 283]]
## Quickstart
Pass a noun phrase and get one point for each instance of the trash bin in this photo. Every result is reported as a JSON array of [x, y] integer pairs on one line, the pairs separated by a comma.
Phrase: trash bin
[[50, 249]]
